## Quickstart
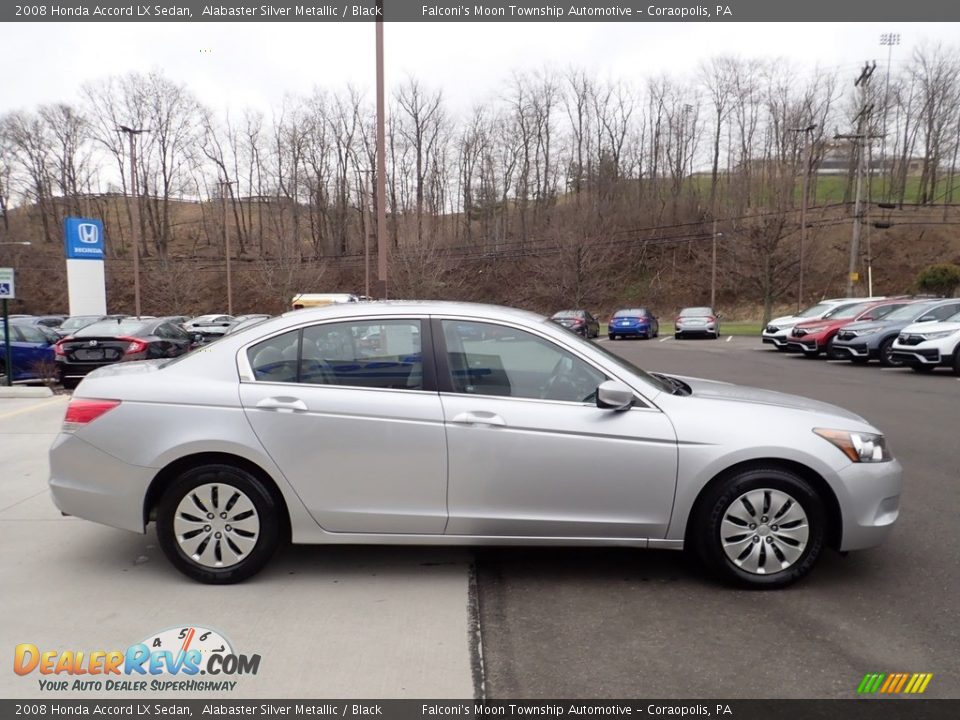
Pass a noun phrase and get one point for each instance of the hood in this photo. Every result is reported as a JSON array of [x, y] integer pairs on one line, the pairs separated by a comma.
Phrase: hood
[[712, 389], [872, 323], [786, 320], [929, 327]]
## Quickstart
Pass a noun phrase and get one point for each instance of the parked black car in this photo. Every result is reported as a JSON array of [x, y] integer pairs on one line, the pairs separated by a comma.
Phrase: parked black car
[[75, 322], [579, 321], [122, 340]]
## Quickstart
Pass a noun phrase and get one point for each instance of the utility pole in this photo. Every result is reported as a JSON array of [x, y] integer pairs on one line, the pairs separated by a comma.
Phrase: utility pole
[[224, 189], [803, 204], [860, 147], [381, 163], [135, 230]]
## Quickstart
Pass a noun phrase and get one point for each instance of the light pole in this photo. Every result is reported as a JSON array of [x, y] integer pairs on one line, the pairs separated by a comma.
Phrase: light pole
[[713, 268], [381, 162], [803, 205], [131, 133], [889, 40], [225, 188]]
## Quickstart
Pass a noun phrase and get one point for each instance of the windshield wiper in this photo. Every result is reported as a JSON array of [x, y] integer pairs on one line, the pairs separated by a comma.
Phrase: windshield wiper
[[677, 387]]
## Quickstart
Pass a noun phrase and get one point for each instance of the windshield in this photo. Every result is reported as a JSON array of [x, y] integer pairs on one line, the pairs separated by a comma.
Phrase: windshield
[[636, 312], [112, 328], [696, 312], [78, 322], [568, 314], [953, 318], [816, 311], [909, 312], [846, 312]]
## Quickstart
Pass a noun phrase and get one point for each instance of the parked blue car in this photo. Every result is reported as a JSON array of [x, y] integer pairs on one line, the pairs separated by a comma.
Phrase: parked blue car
[[31, 350], [633, 322]]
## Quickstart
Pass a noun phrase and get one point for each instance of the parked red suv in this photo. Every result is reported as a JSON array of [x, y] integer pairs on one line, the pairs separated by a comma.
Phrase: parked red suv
[[816, 336]]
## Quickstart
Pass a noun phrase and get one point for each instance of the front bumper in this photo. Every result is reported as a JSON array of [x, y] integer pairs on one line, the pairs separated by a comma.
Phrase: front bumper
[[852, 349], [869, 496], [805, 344], [917, 356], [778, 340], [91, 484]]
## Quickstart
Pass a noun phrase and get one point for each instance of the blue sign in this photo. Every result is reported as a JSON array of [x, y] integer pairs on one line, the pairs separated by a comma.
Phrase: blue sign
[[83, 238]]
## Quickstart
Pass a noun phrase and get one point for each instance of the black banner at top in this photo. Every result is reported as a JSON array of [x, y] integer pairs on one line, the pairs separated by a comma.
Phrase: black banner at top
[[639, 11]]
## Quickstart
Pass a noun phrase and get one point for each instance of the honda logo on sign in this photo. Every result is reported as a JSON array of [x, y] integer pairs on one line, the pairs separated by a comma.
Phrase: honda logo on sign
[[84, 238], [88, 233]]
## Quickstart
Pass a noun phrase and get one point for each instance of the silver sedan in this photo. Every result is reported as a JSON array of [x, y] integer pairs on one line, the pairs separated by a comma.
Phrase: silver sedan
[[459, 424]]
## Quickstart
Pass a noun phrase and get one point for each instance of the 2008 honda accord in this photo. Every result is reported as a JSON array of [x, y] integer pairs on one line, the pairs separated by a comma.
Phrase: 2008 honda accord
[[461, 424]]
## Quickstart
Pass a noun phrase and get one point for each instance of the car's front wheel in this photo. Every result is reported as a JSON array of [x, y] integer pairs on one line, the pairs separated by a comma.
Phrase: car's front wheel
[[218, 524], [761, 528]]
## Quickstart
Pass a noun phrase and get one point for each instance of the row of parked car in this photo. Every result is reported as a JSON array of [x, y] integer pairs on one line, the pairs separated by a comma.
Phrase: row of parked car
[[638, 322], [68, 348], [919, 333]]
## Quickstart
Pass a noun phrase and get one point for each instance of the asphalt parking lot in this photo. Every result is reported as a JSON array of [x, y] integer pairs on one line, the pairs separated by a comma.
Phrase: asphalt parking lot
[[399, 622], [619, 623]]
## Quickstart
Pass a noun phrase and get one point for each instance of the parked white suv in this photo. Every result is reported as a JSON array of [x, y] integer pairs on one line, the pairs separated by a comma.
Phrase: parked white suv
[[924, 346], [777, 331]]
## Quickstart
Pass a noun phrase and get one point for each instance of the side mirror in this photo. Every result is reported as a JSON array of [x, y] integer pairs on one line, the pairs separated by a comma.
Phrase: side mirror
[[613, 395], [868, 317], [927, 318], [197, 339], [719, 316]]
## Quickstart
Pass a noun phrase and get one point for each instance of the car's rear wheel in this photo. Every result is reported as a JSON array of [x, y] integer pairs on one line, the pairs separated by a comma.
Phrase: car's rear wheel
[[761, 528], [612, 336], [218, 524], [885, 352]]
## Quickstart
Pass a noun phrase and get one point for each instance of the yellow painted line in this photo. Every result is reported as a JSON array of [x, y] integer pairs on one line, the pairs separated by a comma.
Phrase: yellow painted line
[[926, 681], [913, 682], [31, 408]]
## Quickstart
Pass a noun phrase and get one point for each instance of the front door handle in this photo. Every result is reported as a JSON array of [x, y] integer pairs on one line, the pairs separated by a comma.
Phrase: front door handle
[[282, 404], [480, 417]]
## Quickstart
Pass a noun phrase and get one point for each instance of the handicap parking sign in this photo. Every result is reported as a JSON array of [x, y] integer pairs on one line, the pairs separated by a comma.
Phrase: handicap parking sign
[[6, 284]]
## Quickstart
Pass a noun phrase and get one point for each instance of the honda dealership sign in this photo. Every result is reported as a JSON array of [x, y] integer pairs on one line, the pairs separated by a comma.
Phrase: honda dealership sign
[[83, 245], [84, 239]]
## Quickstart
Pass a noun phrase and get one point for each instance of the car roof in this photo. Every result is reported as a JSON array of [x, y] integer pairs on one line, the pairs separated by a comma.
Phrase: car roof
[[415, 307]]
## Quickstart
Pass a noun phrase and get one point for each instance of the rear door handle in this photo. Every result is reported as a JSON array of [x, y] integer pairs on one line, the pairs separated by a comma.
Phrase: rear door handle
[[282, 404], [479, 417]]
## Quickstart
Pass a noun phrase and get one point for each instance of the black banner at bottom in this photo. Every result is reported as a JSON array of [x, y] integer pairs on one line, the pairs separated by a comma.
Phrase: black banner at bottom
[[867, 709]]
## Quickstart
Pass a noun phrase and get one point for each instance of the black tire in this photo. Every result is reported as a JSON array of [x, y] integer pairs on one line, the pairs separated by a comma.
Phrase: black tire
[[70, 383], [956, 361], [781, 348], [706, 533], [884, 351], [922, 368], [677, 336], [611, 336], [831, 353], [857, 360], [811, 354], [268, 514]]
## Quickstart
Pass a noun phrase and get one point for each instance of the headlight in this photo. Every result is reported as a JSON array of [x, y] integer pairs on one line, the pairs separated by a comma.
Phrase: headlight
[[814, 330], [864, 331], [858, 446], [937, 335]]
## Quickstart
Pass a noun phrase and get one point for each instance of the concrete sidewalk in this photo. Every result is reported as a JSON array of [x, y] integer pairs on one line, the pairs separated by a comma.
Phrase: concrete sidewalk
[[327, 621]]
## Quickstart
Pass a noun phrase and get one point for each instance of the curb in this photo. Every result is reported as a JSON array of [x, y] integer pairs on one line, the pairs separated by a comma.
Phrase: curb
[[25, 392]]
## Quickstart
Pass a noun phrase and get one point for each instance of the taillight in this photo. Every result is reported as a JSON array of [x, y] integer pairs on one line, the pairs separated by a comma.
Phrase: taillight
[[711, 319], [135, 346], [81, 411], [577, 321], [58, 349]]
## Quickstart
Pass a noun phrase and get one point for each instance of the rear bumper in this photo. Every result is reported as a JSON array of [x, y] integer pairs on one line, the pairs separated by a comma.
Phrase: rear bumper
[[642, 331], [91, 484], [697, 330]]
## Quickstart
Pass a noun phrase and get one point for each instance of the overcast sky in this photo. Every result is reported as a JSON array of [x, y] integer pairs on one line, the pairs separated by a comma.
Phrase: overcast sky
[[255, 64]]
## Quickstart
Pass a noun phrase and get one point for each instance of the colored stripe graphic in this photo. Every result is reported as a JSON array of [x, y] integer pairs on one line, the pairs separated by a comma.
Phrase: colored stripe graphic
[[894, 683]]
